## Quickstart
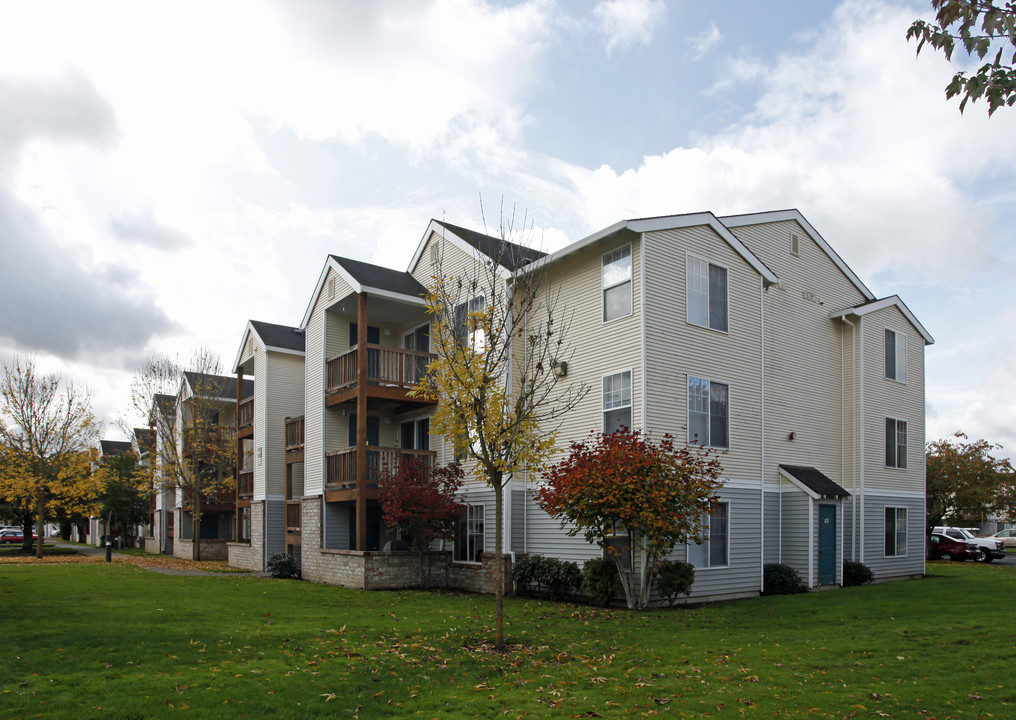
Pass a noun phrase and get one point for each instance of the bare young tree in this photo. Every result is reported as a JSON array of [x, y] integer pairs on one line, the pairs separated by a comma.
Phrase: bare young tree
[[193, 450], [498, 333], [50, 437]]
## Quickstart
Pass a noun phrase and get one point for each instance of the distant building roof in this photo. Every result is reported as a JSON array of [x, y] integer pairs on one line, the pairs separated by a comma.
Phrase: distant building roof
[[219, 386], [507, 254], [114, 447], [279, 336], [144, 438], [375, 276]]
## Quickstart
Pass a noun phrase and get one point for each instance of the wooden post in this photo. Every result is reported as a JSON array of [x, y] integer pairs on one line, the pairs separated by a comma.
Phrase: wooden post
[[361, 422], [239, 456]]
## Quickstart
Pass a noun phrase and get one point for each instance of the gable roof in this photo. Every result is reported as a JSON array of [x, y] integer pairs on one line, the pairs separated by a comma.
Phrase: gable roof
[[275, 338], [891, 301], [164, 404], [114, 447], [812, 481], [144, 438], [772, 216], [218, 387], [368, 278], [508, 255], [669, 222]]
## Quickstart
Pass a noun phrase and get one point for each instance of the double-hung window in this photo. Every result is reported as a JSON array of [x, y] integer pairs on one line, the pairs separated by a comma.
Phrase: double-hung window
[[708, 413], [895, 443], [707, 294], [468, 331], [616, 401], [895, 355], [617, 283], [713, 552], [895, 531], [469, 535]]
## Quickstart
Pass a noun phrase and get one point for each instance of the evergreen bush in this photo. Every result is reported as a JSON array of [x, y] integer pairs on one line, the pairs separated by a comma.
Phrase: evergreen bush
[[673, 578], [283, 566], [856, 573], [781, 579], [600, 580]]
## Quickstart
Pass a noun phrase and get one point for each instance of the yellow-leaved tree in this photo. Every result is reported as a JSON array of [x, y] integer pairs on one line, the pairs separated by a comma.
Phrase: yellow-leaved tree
[[498, 334], [49, 438]]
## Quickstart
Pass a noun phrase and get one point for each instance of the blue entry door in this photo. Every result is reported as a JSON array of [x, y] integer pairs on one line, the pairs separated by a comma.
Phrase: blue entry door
[[827, 544]]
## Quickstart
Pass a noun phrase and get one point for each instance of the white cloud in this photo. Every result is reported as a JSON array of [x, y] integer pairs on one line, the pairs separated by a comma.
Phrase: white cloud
[[706, 41], [629, 22]]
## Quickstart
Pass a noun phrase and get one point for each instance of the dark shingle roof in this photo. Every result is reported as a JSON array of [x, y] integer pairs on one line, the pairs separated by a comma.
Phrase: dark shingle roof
[[375, 276], [145, 438], [219, 386], [280, 336], [815, 481], [114, 447], [166, 404], [507, 254]]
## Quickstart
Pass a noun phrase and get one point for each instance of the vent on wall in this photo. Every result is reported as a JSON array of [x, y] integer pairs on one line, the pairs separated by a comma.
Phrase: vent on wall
[[795, 244], [331, 288]]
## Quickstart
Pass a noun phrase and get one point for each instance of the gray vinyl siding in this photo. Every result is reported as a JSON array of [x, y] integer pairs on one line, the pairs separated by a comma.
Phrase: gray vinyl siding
[[677, 349], [874, 536], [337, 522], [796, 531], [518, 528], [285, 399], [771, 535], [547, 536], [742, 574], [275, 523]]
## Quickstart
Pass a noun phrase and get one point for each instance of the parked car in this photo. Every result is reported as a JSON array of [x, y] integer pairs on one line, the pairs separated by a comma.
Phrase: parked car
[[987, 549], [943, 547], [1006, 537], [10, 537]]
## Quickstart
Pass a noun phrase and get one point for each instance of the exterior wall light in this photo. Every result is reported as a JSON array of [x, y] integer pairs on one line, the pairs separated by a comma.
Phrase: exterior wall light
[[560, 368]]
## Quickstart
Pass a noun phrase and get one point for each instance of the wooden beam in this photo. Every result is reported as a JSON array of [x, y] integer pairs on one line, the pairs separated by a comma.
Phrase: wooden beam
[[361, 422]]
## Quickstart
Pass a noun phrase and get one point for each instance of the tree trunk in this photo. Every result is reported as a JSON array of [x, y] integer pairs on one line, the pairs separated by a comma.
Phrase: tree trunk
[[41, 514], [499, 562], [196, 527]]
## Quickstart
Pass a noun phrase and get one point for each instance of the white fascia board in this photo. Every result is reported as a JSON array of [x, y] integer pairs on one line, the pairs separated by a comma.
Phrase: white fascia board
[[285, 351], [892, 300], [449, 235], [381, 292], [668, 222], [795, 215], [811, 493], [330, 264], [249, 330]]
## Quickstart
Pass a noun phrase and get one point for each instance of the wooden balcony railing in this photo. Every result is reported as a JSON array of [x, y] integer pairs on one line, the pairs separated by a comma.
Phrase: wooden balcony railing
[[209, 442], [245, 486], [170, 522], [389, 366], [294, 433], [292, 515], [342, 465], [245, 414]]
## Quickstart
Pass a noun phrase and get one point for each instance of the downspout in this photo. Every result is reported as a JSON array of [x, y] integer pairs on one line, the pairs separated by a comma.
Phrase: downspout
[[762, 433], [853, 430], [860, 431], [642, 314]]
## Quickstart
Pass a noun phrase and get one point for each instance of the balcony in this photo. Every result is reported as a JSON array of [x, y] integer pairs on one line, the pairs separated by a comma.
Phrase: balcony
[[292, 516], [210, 442], [391, 373], [245, 418], [295, 428], [342, 465], [245, 486]]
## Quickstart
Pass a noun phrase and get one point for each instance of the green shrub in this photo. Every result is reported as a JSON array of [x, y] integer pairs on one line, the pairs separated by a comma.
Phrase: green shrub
[[525, 573], [558, 578], [600, 580], [856, 573], [283, 566], [673, 578], [781, 579]]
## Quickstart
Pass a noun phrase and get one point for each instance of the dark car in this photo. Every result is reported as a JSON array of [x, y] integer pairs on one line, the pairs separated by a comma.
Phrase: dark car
[[943, 547]]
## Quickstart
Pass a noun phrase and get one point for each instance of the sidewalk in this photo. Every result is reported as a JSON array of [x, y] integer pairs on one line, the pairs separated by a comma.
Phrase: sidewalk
[[164, 564]]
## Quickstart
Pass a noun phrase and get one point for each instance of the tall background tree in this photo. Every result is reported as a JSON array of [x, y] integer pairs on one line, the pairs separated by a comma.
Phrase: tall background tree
[[194, 453], [496, 331], [123, 492], [966, 483], [420, 503], [650, 495], [981, 28], [49, 436]]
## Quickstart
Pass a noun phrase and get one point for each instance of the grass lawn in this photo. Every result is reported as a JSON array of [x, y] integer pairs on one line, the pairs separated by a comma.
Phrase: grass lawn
[[117, 641]]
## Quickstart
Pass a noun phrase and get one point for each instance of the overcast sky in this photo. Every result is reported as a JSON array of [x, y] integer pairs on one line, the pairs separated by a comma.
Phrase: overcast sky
[[170, 170]]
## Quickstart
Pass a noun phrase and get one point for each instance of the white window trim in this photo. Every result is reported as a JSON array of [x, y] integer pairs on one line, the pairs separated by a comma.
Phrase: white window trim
[[687, 308], [906, 529], [630, 405], [901, 339], [907, 446], [687, 405], [708, 541], [483, 515], [630, 281]]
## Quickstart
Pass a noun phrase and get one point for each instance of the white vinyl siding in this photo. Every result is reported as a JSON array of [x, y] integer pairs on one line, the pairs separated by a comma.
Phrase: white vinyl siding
[[616, 284], [895, 355]]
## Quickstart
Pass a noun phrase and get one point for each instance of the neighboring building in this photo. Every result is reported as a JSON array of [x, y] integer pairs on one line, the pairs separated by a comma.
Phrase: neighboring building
[[747, 334], [204, 446], [269, 435]]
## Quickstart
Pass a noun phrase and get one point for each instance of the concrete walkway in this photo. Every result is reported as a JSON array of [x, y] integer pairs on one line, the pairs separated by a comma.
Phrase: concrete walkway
[[101, 552]]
